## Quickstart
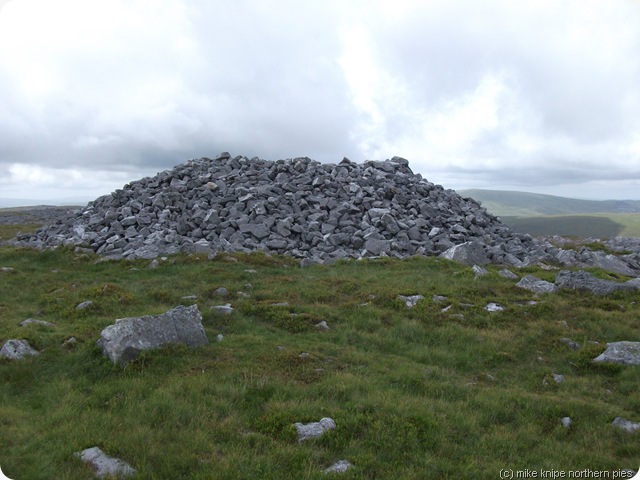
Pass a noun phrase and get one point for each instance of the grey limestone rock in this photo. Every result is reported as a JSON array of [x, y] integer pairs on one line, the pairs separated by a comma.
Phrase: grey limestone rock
[[626, 425], [493, 307], [585, 282], [340, 466], [124, 340], [570, 343], [537, 285], [625, 353], [17, 349], [33, 321], [104, 465], [314, 429], [84, 305], [469, 253], [411, 300], [225, 309]]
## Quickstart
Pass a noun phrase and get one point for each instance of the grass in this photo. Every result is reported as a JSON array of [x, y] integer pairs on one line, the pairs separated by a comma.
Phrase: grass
[[415, 393]]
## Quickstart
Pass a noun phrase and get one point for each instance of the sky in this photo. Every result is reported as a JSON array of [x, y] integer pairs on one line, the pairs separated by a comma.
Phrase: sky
[[531, 95]]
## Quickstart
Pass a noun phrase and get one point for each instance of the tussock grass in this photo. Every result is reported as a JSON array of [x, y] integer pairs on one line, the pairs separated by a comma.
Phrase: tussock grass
[[415, 393]]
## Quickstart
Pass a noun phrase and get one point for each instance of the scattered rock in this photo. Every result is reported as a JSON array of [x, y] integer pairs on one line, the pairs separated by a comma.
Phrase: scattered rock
[[626, 353], [221, 292], [439, 298], [479, 271], [17, 350], [124, 340], [70, 342], [626, 425], [493, 307], [506, 273], [280, 304], [33, 321], [558, 378], [570, 343], [566, 422], [84, 305], [219, 337], [189, 297], [537, 285], [339, 467], [7, 269], [314, 429], [322, 325], [225, 309], [411, 300], [104, 465]]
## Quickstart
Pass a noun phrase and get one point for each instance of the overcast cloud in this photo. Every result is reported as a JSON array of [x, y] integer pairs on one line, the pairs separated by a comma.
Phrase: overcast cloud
[[533, 95]]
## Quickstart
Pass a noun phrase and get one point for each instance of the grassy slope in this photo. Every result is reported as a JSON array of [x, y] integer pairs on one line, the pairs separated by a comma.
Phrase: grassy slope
[[525, 204], [415, 393], [550, 215]]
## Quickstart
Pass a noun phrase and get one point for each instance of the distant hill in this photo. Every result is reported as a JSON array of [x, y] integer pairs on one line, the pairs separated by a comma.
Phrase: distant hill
[[524, 204], [541, 215]]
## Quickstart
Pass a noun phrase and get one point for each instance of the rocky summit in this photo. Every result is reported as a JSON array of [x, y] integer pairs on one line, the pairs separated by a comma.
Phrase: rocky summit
[[314, 211]]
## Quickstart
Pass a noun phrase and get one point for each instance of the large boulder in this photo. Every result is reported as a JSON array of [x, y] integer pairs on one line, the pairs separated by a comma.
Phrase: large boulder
[[124, 340], [468, 253], [626, 353]]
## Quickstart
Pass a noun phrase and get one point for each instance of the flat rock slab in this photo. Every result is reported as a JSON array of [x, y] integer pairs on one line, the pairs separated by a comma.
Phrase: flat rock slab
[[626, 353], [339, 467], [17, 349], [537, 285], [104, 465], [314, 429], [124, 340], [626, 425], [30, 321], [585, 282]]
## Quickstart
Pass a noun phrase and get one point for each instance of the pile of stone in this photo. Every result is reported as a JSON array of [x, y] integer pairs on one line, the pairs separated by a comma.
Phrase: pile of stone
[[300, 207]]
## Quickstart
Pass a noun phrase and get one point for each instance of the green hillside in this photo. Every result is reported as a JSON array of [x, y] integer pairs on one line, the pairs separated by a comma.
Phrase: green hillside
[[525, 204], [538, 214]]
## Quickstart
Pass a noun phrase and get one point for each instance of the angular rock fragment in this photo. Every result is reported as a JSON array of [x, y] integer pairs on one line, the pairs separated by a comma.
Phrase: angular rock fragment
[[493, 307], [570, 343], [411, 300], [625, 353], [537, 285], [17, 350], [103, 465], [314, 429], [124, 340], [469, 253]]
